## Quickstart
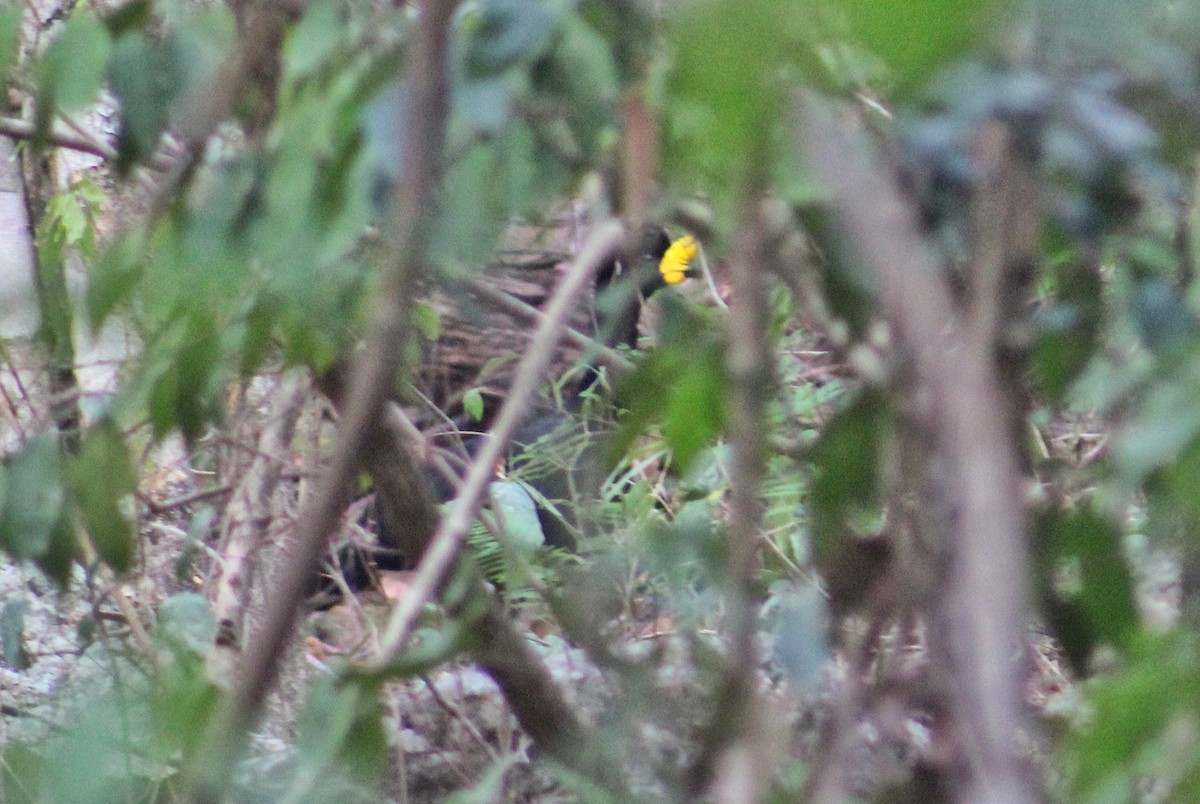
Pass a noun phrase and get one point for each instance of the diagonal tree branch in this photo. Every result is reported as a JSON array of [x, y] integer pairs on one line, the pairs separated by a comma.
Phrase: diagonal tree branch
[[369, 385]]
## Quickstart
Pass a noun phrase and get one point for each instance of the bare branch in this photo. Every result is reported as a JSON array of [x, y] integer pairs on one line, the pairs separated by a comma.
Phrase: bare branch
[[609, 357], [18, 129], [732, 760]]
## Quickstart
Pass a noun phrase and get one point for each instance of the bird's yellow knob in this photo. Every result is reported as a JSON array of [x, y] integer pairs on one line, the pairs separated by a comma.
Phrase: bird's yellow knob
[[677, 259]]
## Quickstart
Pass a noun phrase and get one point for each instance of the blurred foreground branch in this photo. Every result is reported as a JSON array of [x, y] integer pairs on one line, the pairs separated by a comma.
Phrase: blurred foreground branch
[[981, 618], [372, 379]]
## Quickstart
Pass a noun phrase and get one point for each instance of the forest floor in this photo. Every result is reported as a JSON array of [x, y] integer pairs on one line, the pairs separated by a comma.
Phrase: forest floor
[[449, 730]]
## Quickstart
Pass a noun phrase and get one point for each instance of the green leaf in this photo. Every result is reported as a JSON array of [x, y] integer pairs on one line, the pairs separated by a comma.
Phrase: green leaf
[[113, 279], [34, 524], [145, 75], [695, 410], [427, 320], [1100, 603], [71, 72], [129, 17], [499, 34], [257, 340], [10, 30], [474, 208], [185, 624], [518, 513], [473, 404], [846, 460], [311, 42], [102, 477], [33, 499], [489, 787], [483, 105], [681, 383], [580, 75], [724, 83], [184, 698], [1166, 422], [65, 210], [1141, 724], [1069, 331], [196, 365], [340, 738], [800, 622], [915, 38]]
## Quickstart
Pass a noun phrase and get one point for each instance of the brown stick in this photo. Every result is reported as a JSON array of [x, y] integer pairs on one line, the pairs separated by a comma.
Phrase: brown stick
[[732, 762], [18, 129], [610, 358]]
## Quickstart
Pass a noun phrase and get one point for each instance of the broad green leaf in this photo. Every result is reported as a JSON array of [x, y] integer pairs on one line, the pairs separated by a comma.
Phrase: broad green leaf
[[65, 212], [1099, 604], [1068, 332], [498, 34], [695, 411], [846, 460], [102, 477], [71, 72], [586, 68], [340, 737], [474, 209], [10, 29], [256, 340], [473, 404], [915, 38], [197, 363], [485, 106], [33, 500], [310, 43], [800, 623], [1166, 421], [202, 42], [1133, 723], [185, 624], [518, 513], [130, 17], [427, 320], [114, 278], [489, 787], [724, 86], [681, 383], [146, 76]]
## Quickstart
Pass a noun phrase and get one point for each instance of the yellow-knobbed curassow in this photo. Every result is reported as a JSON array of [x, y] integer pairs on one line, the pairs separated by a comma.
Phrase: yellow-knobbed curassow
[[555, 458]]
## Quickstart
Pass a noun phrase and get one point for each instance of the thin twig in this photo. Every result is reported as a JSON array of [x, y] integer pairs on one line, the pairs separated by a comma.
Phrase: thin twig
[[456, 713], [443, 550], [184, 500], [731, 763], [18, 129], [605, 355]]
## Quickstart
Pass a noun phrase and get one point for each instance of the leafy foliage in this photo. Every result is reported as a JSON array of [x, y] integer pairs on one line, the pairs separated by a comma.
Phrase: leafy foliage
[[265, 252]]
